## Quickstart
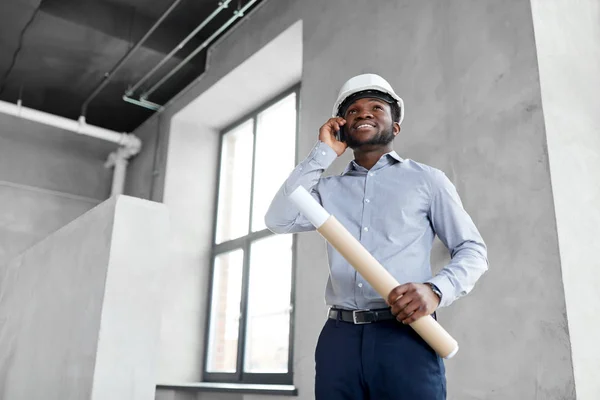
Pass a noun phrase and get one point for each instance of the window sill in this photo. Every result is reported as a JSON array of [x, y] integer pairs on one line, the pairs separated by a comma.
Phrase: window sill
[[286, 390]]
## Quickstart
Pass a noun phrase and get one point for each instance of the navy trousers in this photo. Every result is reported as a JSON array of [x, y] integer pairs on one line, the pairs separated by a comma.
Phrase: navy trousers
[[384, 360]]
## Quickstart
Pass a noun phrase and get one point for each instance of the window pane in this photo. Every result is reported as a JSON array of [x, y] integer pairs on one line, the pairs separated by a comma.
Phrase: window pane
[[268, 323], [275, 155], [225, 312], [235, 181]]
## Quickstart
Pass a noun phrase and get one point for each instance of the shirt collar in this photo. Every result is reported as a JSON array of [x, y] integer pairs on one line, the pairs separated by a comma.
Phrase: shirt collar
[[385, 159]]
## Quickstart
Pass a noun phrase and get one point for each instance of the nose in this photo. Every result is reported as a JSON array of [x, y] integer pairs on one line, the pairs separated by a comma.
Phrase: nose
[[364, 114]]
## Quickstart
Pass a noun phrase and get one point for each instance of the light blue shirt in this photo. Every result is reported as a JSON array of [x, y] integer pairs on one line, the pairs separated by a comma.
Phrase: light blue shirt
[[395, 209]]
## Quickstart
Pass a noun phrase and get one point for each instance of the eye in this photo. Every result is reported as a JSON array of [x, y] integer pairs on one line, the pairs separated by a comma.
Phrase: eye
[[352, 112], [377, 108]]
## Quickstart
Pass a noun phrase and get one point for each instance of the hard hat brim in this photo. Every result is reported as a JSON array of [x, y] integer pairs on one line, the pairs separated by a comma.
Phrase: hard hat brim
[[370, 92], [364, 94]]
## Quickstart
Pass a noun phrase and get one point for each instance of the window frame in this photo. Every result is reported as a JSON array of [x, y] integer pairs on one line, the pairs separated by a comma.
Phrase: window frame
[[244, 243]]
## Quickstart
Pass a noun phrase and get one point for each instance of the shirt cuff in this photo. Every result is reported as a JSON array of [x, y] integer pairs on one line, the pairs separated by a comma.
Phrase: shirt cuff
[[445, 286], [322, 155]]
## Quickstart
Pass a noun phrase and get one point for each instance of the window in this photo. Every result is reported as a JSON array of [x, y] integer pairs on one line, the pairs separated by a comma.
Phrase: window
[[249, 336]]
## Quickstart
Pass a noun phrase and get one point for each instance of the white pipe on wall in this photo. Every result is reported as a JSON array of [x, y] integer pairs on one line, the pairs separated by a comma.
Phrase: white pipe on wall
[[130, 144], [118, 160]]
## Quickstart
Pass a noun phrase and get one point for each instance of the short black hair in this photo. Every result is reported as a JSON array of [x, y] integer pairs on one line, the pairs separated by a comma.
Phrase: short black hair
[[394, 107]]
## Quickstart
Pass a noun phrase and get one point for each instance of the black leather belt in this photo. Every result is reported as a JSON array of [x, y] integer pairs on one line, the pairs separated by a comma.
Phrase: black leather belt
[[361, 316]]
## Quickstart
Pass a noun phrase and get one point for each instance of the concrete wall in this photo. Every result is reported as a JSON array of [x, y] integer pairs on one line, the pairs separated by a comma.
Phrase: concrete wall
[[48, 177], [146, 171], [468, 73], [78, 309], [193, 153], [568, 42]]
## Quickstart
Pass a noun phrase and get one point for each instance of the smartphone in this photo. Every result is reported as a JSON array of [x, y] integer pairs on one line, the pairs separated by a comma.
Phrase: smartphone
[[341, 135]]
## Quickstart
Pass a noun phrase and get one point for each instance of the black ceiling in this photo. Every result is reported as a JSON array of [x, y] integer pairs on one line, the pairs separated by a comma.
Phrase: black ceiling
[[55, 53]]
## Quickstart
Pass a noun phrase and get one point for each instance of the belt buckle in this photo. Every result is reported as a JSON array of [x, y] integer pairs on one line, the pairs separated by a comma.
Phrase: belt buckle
[[354, 312]]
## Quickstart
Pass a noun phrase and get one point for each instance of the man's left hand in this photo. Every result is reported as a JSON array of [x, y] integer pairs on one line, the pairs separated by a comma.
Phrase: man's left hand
[[412, 301]]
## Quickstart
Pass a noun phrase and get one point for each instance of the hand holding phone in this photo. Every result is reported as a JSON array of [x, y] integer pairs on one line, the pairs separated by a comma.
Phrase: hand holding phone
[[332, 134]]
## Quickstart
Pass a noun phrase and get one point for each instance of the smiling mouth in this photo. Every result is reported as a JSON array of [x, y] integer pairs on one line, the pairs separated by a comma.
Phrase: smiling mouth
[[364, 126]]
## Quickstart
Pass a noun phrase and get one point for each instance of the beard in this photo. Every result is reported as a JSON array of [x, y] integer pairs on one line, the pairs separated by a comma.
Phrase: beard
[[382, 138]]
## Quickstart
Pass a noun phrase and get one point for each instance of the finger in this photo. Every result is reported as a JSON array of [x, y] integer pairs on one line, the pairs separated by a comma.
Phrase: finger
[[395, 307], [413, 312], [332, 127], [341, 121], [406, 295], [420, 312], [402, 303], [396, 293], [407, 310]]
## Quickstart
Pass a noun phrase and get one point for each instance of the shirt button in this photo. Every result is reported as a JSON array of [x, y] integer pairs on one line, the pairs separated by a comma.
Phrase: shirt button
[[366, 229], [371, 174], [360, 285], [367, 201], [323, 153]]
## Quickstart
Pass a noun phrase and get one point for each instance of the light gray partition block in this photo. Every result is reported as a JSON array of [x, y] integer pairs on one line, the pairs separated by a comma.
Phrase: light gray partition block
[[80, 310]]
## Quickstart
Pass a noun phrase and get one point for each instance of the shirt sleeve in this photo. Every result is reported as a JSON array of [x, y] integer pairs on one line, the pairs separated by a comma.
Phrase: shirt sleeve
[[282, 215], [457, 231]]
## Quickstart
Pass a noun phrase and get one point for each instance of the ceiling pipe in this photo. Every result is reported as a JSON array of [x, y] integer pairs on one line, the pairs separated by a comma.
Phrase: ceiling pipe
[[130, 144], [80, 126], [222, 5], [108, 76], [237, 14], [142, 103]]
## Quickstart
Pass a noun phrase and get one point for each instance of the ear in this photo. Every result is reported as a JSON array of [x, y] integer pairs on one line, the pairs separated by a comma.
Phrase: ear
[[396, 128]]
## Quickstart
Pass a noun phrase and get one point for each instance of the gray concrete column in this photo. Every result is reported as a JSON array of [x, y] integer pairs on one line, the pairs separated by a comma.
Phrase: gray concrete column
[[567, 34]]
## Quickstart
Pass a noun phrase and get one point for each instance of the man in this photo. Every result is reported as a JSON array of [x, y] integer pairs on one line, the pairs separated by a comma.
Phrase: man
[[394, 207]]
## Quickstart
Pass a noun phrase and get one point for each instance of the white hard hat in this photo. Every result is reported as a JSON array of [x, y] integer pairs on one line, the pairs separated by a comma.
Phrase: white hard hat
[[368, 82]]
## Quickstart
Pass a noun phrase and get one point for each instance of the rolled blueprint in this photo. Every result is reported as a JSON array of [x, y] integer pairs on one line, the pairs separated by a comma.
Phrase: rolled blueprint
[[369, 268]]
